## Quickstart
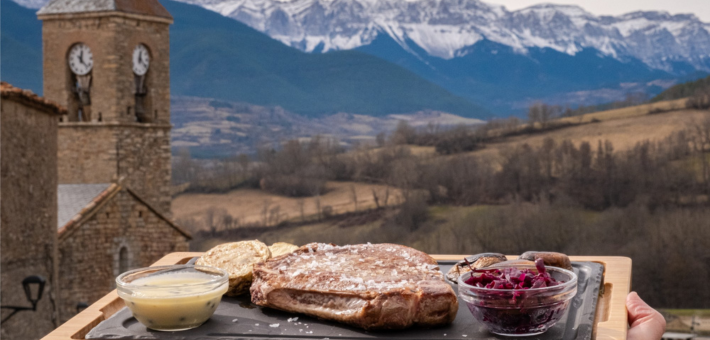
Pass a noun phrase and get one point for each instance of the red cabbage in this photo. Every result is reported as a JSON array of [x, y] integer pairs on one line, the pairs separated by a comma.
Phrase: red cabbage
[[512, 278]]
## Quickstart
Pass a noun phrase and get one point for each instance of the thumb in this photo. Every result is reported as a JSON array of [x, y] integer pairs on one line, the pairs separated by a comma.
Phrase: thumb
[[644, 321]]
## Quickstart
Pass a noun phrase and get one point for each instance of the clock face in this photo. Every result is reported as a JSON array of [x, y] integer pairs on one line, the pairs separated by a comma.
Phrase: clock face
[[80, 59], [141, 60]]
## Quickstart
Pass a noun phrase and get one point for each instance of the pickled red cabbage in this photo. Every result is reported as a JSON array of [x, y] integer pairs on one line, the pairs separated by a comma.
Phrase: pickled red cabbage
[[512, 278]]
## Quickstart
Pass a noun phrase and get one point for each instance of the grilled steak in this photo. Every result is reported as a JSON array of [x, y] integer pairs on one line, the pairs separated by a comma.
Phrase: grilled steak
[[372, 286]]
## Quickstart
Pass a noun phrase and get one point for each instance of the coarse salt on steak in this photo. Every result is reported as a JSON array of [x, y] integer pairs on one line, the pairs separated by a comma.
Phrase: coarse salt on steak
[[372, 286]]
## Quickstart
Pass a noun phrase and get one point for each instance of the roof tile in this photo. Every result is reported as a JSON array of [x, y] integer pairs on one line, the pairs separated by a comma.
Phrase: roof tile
[[8, 91]]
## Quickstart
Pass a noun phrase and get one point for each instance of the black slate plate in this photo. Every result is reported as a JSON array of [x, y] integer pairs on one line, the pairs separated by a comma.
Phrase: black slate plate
[[237, 318]]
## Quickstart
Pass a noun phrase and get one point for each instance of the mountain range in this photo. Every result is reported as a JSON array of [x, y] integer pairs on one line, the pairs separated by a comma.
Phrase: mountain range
[[217, 57], [448, 28], [378, 57], [483, 52]]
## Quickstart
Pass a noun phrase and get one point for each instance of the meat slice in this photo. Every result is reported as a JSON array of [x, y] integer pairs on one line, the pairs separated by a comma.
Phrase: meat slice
[[372, 286]]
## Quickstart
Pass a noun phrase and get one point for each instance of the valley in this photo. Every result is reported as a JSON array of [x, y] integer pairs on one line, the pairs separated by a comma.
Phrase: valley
[[624, 128], [644, 188], [212, 128]]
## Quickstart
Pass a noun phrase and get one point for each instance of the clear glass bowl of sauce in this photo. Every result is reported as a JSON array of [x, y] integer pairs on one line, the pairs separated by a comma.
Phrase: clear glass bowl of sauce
[[172, 298]]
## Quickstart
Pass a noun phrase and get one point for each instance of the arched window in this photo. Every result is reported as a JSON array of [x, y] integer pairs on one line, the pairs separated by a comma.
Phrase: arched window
[[123, 260]]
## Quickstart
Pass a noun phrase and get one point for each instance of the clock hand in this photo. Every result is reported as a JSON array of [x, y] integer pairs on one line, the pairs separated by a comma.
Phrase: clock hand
[[81, 58]]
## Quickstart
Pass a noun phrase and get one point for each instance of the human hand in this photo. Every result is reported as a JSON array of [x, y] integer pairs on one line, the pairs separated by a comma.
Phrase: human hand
[[645, 323]]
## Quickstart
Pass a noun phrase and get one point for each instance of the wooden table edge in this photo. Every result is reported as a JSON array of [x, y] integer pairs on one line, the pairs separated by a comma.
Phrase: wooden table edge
[[612, 323]]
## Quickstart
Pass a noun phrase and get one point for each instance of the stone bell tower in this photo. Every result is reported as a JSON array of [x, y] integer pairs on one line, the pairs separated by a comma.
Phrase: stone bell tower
[[108, 63]]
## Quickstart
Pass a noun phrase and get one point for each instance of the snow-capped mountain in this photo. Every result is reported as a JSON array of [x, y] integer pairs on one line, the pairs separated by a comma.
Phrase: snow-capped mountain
[[484, 53], [445, 28]]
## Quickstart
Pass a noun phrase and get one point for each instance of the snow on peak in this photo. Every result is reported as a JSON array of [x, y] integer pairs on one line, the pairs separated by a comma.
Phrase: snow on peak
[[446, 28]]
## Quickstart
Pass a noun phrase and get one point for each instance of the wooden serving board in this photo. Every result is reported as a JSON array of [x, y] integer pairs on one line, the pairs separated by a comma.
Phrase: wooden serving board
[[611, 322]]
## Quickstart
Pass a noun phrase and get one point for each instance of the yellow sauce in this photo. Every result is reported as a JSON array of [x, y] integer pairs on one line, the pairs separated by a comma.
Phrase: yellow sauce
[[173, 301]]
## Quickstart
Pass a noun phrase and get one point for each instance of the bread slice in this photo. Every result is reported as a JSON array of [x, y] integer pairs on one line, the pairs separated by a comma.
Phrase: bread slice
[[237, 259], [372, 286], [281, 248]]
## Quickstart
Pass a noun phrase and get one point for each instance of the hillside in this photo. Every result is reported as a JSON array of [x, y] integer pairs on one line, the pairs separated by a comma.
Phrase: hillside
[[683, 90], [217, 57], [251, 207], [624, 128], [212, 128]]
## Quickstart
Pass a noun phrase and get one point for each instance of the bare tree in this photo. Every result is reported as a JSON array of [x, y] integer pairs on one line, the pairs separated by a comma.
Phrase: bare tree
[[265, 213], [353, 195], [301, 208], [381, 139], [375, 198], [403, 134], [243, 160], [227, 221], [318, 211], [542, 113], [275, 215]]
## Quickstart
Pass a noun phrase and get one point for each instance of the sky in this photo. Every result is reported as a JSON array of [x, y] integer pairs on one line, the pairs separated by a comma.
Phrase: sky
[[701, 8]]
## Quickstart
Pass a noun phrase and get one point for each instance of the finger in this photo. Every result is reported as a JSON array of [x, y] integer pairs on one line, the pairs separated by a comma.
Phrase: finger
[[640, 313]]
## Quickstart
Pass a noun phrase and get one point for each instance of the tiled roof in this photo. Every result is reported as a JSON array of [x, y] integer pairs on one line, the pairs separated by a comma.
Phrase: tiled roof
[[145, 7], [10, 92], [73, 198]]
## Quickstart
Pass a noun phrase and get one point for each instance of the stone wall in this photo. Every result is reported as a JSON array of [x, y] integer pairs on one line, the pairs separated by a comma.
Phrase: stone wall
[[90, 253], [111, 38], [104, 152], [28, 212]]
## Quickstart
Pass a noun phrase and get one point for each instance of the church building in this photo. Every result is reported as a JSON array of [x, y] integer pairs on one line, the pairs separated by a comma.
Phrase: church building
[[108, 63]]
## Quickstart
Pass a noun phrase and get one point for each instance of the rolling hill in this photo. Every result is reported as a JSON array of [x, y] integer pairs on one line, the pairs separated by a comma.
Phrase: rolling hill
[[217, 57], [683, 90]]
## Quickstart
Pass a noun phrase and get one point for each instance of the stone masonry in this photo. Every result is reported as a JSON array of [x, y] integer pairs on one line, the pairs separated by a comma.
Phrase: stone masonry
[[111, 38], [90, 250], [28, 209], [104, 152], [113, 144]]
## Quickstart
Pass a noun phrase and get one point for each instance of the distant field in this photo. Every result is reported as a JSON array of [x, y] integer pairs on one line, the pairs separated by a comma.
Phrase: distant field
[[628, 112], [624, 128], [248, 205], [351, 231]]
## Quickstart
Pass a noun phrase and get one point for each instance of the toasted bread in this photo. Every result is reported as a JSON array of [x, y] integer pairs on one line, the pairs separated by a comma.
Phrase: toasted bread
[[372, 286], [237, 259], [281, 248]]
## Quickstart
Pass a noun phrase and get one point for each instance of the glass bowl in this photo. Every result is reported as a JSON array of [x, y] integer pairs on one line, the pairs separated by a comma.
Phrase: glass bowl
[[172, 298], [520, 312]]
